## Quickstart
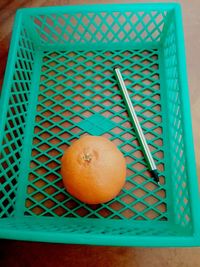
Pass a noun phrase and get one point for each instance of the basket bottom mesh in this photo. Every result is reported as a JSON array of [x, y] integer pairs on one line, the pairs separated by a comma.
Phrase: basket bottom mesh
[[78, 95]]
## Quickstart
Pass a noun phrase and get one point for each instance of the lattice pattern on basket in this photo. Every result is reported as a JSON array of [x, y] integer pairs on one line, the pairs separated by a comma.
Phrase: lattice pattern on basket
[[14, 124], [77, 226], [75, 86], [101, 27], [178, 171]]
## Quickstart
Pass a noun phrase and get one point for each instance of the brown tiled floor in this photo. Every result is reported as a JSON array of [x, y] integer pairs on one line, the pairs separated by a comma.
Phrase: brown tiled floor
[[25, 254]]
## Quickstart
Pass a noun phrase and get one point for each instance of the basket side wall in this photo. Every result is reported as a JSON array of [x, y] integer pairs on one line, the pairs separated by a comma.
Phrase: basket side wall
[[14, 106]]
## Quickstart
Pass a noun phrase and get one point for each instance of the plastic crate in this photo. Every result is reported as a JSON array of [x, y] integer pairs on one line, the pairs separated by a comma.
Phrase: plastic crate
[[59, 84]]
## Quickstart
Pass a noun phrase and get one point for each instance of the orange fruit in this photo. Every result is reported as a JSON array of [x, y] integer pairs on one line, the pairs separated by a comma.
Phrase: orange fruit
[[93, 169]]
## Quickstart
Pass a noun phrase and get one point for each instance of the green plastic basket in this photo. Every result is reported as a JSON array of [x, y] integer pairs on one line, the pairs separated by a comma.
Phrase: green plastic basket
[[59, 84]]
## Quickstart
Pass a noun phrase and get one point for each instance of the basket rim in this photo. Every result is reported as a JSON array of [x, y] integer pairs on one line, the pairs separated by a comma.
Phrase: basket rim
[[114, 7]]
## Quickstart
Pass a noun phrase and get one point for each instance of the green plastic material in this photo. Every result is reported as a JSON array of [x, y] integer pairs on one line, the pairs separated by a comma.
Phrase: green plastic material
[[59, 84]]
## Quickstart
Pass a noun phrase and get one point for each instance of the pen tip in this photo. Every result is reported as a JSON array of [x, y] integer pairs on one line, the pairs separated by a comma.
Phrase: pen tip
[[155, 176], [116, 67]]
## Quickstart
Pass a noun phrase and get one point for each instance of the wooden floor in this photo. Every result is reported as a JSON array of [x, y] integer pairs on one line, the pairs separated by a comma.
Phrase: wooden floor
[[19, 254]]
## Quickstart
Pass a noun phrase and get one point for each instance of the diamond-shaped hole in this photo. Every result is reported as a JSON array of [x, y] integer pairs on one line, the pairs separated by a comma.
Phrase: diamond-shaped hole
[[154, 57], [63, 146], [55, 129], [107, 92], [139, 206], [58, 98], [138, 154], [159, 154], [128, 213], [151, 214], [60, 211], [139, 193], [49, 92], [147, 92], [66, 103], [88, 92], [117, 119], [35, 152], [157, 118], [77, 108], [30, 189], [38, 197], [39, 183], [128, 199], [65, 135], [127, 148], [161, 193], [82, 212], [137, 97], [150, 185], [71, 204], [138, 108], [146, 62], [107, 114], [76, 130], [57, 108], [52, 164], [139, 166], [87, 103], [97, 108], [42, 158], [158, 130], [116, 205], [147, 102], [149, 136], [148, 113], [154, 66], [66, 124], [105, 212], [37, 210], [129, 160], [68, 93], [151, 200], [60, 197], [139, 179], [56, 118], [86, 113], [129, 172], [156, 86], [107, 103], [117, 130], [156, 108], [117, 141], [76, 119], [54, 153], [149, 124], [46, 124], [127, 136], [161, 207], [49, 203], [47, 113], [50, 190], [29, 203], [54, 141], [37, 130], [97, 98], [155, 76]]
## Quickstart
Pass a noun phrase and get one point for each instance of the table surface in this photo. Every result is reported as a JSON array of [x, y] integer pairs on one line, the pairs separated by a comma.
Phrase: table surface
[[16, 253]]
